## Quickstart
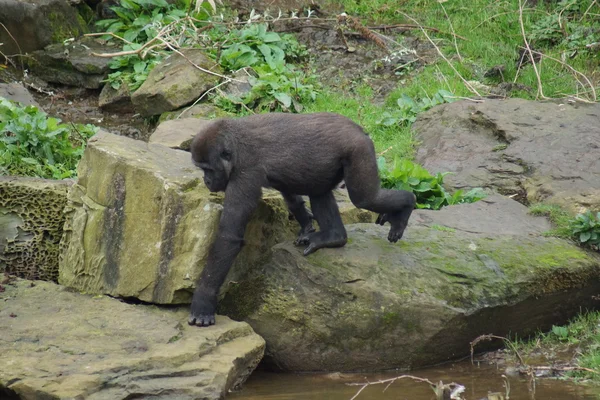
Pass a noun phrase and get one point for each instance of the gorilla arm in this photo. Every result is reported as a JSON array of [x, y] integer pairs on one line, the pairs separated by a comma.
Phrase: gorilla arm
[[241, 198]]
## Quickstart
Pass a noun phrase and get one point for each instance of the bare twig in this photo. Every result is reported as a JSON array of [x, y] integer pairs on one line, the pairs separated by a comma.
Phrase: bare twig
[[216, 87], [452, 30], [573, 70], [388, 381], [588, 10], [413, 26], [540, 89], [14, 40], [467, 84]]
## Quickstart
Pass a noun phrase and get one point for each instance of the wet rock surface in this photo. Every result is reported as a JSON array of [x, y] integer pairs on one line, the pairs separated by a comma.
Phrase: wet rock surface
[[458, 273], [543, 151], [63, 345]]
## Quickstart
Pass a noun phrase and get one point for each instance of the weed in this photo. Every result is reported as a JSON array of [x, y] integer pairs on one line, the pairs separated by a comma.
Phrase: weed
[[33, 144], [585, 228], [406, 175]]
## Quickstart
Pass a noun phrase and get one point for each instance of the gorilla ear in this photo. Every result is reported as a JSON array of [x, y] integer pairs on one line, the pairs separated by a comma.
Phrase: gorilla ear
[[226, 155]]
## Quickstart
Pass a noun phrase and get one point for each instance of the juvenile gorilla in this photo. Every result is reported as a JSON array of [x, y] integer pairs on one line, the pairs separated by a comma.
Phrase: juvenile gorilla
[[297, 154]]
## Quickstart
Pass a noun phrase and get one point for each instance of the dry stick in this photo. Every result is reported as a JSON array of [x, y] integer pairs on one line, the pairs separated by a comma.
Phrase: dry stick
[[572, 70], [588, 9], [451, 29], [173, 49], [504, 13], [388, 381], [14, 40], [540, 92], [201, 97], [411, 26], [467, 84]]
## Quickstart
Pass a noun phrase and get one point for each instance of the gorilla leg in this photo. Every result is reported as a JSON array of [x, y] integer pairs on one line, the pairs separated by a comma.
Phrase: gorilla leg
[[303, 216], [331, 228], [364, 188]]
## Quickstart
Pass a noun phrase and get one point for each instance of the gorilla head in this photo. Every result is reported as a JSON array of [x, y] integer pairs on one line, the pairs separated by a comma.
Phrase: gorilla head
[[211, 154]]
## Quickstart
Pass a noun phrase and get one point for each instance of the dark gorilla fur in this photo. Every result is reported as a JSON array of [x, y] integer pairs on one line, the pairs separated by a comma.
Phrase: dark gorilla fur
[[297, 154]]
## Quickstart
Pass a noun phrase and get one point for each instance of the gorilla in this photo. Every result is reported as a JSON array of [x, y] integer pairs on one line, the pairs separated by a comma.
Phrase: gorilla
[[296, 154]]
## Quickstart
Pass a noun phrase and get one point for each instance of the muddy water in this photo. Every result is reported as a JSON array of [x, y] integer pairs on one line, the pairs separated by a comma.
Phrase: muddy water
[[479, 381]]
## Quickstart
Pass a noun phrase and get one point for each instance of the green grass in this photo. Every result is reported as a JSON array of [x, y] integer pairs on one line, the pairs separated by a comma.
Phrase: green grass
[[560, 219], [581, 333], [357, 107], [493, 37]]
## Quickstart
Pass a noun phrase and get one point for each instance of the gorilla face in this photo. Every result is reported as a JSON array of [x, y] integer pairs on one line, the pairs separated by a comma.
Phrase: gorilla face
[[215, 175]]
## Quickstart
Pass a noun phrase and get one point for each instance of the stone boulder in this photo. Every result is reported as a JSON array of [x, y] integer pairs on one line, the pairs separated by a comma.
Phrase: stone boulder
[[115, 100], [57, 344], [16, 92], [458, 273], [140, 222], [72, 63], [177, 133], [201, 110], [31, 225], [175, 82], [34, 24], [545, 151]]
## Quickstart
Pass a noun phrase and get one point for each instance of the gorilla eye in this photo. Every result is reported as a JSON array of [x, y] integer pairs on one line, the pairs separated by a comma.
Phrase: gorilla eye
[[226, 155]]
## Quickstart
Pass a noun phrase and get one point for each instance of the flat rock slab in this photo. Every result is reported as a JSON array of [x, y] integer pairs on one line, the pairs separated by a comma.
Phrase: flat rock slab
[[456, 274], [16, 92], [546, 151], [73, 63], [56, 344], [177, 133]]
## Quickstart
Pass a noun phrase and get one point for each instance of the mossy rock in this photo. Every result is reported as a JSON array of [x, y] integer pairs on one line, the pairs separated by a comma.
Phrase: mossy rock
[[373, 305]]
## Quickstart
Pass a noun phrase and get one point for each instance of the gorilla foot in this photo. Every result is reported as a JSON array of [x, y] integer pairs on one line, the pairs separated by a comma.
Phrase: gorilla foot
[[202, 320], [382, 219], [318, 240]]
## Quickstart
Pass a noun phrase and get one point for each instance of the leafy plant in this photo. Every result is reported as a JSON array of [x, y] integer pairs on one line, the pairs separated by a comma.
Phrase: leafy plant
[[140, 20], [254, 45], [282, 89], [408, 108], [130, 69], [586, 229], [33, 144], [406, 175]]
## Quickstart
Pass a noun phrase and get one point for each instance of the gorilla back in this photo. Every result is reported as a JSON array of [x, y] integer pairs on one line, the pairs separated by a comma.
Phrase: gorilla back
[[297, 154]]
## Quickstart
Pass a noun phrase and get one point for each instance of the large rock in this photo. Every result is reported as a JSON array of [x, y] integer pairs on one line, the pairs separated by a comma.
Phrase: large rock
[[547, 151], [34, 24], [72, 63], [16, 92], [31, 223], [56, 344], [175, 82], [177, 133], [140, 223], [458, 273]]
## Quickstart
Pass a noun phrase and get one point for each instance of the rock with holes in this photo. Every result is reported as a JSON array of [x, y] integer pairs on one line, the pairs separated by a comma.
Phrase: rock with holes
[[457, 273], [31, 223], [544, 151], [57, 344], [140, 223]]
